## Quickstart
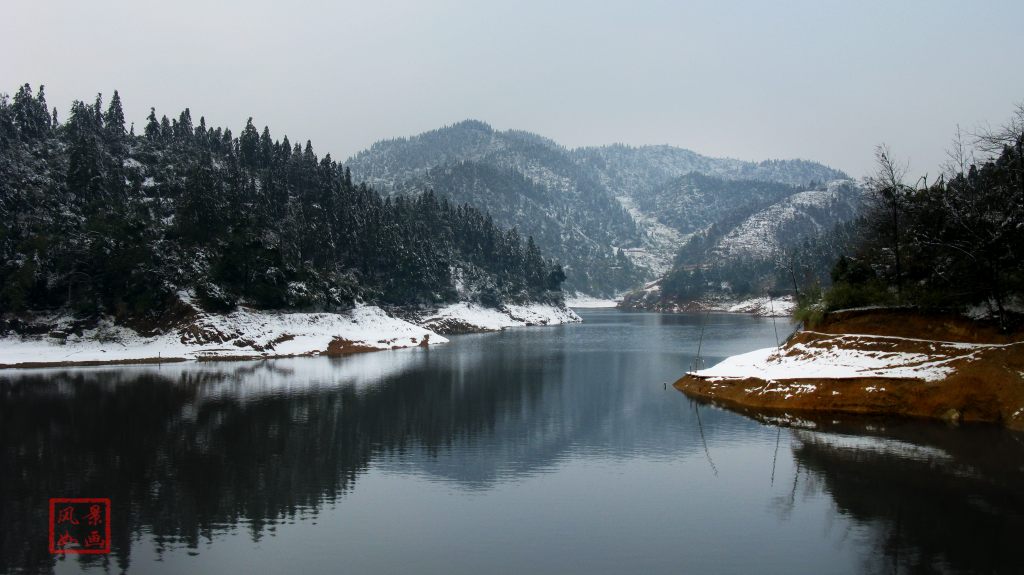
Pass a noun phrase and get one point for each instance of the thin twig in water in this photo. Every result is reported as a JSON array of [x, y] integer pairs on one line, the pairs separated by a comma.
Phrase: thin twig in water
[[698, 362], [700, 426], [771, 310], [776, 456]]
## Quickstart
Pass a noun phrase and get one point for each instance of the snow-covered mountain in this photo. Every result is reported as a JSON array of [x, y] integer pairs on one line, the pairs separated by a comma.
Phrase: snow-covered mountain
[[763, 243], [523, 180], [614, 215], [636, 170], [801, 215]]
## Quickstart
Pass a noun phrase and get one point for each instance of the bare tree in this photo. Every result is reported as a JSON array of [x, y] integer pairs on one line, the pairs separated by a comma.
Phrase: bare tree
[[788, 260], [992, 141], [959, 157], [890, 197]]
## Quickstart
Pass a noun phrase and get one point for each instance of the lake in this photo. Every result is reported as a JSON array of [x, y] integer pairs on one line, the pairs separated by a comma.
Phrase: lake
[[534, 450]]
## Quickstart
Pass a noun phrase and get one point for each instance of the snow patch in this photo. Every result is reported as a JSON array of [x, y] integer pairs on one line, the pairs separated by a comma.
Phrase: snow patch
[[765, 307], [590, 302], [470, 316], [801, 361]]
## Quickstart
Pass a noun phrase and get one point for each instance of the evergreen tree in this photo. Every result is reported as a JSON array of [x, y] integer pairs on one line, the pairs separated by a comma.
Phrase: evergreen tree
[[116, 223], [152, 126]]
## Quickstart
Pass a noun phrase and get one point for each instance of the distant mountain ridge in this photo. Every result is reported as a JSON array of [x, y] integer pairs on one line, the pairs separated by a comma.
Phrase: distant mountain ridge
[[636, 168], [615, 215]]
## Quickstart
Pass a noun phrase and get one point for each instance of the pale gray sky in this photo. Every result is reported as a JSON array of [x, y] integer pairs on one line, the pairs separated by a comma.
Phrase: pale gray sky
[[822, 80]]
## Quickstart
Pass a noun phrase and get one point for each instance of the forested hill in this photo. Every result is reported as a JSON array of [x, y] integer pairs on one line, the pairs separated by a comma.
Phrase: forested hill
[[526, 181], [99, 219], [611, 214], [764, 238], [592, 264]]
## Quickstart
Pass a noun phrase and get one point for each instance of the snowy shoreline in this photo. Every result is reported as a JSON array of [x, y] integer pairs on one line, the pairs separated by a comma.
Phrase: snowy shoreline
[[882, 362], [250, 334], [847, 356]]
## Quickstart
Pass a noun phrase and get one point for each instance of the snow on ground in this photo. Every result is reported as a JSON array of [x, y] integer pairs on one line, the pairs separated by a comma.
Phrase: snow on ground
[[247, 333], [541, 314], [759, 306], [845, 356], [759, 235], [242, 333], [475, 317], [661, 240], [765, 307], [584, 301]]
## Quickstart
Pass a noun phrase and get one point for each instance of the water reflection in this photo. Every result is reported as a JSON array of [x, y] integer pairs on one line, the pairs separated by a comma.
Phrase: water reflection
[[512, 424], [184, 449], [936, 499]]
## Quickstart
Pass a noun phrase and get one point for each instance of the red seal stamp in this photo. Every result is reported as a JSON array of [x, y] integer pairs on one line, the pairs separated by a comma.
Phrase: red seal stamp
[[80, 525]]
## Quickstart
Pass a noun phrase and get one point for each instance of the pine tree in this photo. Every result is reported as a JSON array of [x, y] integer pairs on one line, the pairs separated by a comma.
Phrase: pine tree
[[249, 146], [152, 126], [113, 120]]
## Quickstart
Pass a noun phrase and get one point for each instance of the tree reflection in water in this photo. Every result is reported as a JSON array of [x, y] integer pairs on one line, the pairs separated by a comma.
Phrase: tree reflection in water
[[183, 453], [190, 452], [934, 499]]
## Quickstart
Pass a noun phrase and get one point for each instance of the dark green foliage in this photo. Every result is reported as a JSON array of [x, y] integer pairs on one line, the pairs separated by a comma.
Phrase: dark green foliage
[[955, 243], [855, 284], [98, 220], [809, 308]]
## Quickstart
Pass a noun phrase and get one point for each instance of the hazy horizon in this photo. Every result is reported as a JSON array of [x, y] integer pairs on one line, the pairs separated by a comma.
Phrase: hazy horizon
[[818, 81]]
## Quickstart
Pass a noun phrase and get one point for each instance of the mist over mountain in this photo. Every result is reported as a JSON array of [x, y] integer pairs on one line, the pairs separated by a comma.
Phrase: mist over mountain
[[615, 215]]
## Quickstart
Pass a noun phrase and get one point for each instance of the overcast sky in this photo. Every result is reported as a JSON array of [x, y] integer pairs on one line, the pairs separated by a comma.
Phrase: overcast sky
[[753, 80]]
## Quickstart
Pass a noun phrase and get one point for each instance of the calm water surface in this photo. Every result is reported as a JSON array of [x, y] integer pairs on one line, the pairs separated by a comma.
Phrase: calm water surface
[[542, 450]]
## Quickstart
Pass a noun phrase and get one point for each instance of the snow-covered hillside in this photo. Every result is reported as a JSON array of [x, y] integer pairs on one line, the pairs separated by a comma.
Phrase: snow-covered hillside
[[523, 181], [802, 214], [764, 237], [637, 170], [588, 206]]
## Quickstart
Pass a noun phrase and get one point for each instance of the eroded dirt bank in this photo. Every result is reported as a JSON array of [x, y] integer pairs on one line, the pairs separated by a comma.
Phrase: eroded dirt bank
[[881, 362]]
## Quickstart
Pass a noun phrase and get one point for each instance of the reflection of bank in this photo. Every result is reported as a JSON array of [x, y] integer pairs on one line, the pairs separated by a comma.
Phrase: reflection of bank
[[933, 499], [190, 450], [187, 451]]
